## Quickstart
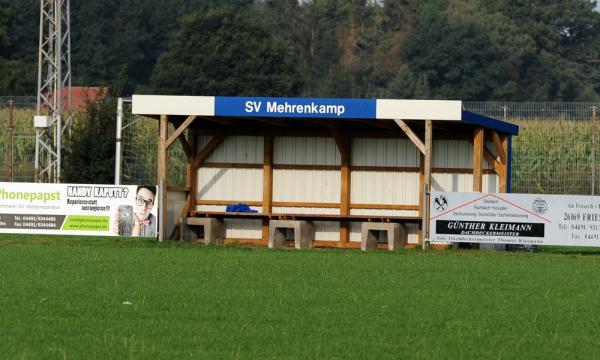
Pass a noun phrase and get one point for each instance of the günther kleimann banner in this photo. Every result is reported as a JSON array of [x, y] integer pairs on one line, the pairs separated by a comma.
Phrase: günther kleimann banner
[[514, 219], [78, 209]]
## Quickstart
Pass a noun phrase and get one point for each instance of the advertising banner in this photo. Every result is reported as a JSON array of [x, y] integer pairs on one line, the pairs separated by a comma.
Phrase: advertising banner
[[79, 209], [526, 219]]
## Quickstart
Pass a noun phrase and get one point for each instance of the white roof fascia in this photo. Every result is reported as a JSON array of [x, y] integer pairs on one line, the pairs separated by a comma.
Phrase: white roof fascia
[[173, 105], [419, 109]]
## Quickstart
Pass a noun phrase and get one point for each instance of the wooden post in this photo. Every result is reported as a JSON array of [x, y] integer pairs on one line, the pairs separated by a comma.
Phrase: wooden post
[[421, 187], [478, 142], [343, 145], [593, 150], [345, 184], [427, 170], [192, 173], [503, 183], [428, 151], [162, 170], [267, 201]]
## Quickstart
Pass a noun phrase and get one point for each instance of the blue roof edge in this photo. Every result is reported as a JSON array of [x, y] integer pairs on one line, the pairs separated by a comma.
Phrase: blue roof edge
[[490, 123]]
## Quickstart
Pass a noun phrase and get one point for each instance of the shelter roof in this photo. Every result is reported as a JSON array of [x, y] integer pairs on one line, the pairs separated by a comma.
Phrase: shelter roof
[[306, 112]]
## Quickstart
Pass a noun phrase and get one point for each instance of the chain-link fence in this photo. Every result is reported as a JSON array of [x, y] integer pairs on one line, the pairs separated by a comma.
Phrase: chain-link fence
[[17, 138], [556, 152], [139, 151], [511, 111]]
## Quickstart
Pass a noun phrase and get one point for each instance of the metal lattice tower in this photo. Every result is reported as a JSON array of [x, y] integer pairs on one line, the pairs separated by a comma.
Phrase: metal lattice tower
[[54, 88]]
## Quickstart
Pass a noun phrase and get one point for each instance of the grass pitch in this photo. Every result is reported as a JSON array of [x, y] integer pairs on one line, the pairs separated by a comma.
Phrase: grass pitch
[[76, 298]]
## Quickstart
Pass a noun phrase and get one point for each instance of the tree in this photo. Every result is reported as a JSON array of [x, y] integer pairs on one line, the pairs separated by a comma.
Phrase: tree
[[89, 154], [225, 51], [550, 48], [448, 61], [18, 48]]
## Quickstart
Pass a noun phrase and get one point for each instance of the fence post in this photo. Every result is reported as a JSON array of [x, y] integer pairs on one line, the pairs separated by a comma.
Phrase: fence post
[[118, 145], [425, 220], [593, 150], [11, 133], [504, 112]]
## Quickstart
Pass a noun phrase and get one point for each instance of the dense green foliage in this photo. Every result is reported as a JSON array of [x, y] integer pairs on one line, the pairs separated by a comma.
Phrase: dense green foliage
[[224, 52], [90, 149], [19, 22], [77, 297], [465, 49]]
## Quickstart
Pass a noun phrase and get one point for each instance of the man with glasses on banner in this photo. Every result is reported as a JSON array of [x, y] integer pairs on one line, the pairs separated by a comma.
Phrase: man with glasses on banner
[[144, 223], [139, 222]]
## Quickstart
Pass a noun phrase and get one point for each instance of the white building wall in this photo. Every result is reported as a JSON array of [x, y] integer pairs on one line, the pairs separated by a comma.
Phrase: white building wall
[[239, 150], [243, 229], [382, 187], [309, 185], [306, 186], [305, 151], [201, 141], [384, 152], [230, 184], [456, 154]]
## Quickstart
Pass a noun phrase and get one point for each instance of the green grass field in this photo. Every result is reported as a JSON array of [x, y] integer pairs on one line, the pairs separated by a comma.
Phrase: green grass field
[[81, 298]]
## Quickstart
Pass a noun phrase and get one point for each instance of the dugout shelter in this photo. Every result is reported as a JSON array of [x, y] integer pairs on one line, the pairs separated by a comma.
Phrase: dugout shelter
[[319, 166]]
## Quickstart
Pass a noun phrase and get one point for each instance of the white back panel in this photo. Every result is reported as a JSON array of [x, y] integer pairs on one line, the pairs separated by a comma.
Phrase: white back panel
[[243, 229], [230, 184], [452, 154], [382, 187], [462, 182], [305, 210], [451, 182], [239, 150], [384, 152], [491, 183], [306, 185], [201, 141], [305, 151], [327, 230]]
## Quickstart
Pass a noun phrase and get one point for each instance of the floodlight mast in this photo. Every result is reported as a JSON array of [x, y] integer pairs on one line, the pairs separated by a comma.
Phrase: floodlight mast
[[54, 88]]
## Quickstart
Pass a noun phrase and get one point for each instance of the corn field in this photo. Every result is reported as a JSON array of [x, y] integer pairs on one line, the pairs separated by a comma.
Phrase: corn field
[[556, 152], [21, 169]]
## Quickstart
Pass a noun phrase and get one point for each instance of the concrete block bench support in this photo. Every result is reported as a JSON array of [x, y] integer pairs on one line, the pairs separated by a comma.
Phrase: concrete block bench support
[[304, 233], [396, 235], [214, 230]]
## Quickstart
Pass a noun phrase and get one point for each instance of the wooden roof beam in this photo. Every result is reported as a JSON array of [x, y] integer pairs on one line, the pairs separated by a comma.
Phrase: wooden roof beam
[[499, 146], [489, 158], [180, 129], [207, 150], [411, 135]]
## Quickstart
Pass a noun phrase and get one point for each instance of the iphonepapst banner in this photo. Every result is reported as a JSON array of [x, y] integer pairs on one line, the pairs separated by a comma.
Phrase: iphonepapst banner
[[79, 209]]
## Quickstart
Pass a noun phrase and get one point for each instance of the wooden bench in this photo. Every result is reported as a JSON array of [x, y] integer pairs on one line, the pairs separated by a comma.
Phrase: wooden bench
[[308, 217], [301, 224]]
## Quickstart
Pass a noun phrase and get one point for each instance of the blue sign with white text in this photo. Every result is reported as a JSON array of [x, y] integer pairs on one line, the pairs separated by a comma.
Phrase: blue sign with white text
[[295, 108]]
